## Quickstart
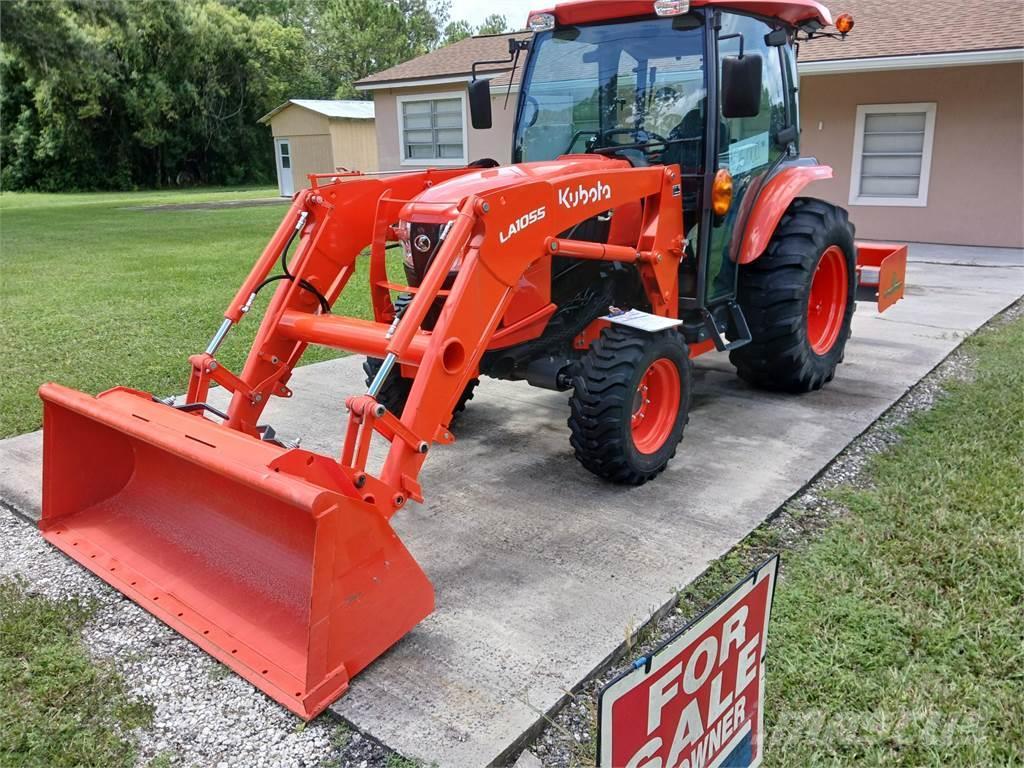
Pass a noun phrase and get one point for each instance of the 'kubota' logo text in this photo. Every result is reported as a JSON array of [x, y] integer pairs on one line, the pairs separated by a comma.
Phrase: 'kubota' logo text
[[522, 223], [570, 198]]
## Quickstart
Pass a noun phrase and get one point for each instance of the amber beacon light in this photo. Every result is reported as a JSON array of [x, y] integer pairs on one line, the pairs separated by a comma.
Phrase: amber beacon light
[[721, 192], [844, 23]]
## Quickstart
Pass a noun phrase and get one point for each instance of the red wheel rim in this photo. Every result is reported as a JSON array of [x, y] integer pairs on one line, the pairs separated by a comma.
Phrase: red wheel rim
[[655, 406], [826, 305]]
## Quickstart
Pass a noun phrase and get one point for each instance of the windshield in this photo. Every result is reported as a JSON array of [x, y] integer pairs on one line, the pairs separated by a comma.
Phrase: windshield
[[603, 85]]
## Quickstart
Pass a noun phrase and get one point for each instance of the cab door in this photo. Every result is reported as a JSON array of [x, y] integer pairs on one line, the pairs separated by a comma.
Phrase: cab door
[[747, 147]]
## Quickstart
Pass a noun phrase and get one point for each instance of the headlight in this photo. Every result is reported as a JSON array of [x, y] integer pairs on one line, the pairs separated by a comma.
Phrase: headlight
[[402, 233]]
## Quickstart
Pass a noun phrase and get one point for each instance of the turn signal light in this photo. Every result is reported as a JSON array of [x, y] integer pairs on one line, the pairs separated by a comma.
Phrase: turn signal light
[[721, 192], [671, 7], [844, 23], [541, 22]]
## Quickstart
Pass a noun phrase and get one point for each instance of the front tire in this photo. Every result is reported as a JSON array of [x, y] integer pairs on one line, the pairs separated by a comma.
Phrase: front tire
[[630, 403], [798, 299]]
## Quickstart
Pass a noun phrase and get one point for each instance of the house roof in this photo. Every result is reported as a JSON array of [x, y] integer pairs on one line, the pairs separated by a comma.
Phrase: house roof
[[346, 108], [453, 61], [883, 29]]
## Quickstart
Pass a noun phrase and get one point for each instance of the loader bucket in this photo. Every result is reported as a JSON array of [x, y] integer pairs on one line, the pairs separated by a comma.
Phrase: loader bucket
[[291, 583]]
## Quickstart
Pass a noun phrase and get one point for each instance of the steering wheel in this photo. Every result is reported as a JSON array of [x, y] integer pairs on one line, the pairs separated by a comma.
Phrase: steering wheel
[[576, 136], [639, 135]]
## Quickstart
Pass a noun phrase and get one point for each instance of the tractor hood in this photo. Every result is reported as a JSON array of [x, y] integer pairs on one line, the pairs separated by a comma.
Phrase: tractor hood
[[440, 203]]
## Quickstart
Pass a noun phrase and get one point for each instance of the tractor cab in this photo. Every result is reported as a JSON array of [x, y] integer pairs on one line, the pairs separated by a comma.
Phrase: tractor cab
[[711, 88]]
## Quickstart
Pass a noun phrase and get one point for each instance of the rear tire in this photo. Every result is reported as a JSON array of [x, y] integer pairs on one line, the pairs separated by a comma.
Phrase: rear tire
[[630, 404], [395, 392], [798, 299]]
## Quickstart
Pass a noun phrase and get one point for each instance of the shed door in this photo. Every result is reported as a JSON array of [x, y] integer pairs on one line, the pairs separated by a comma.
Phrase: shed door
[[283, 151]]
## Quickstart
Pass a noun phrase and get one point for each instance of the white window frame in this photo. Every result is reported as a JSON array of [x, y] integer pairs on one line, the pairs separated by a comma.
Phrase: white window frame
[[427, 162], [863, 110]]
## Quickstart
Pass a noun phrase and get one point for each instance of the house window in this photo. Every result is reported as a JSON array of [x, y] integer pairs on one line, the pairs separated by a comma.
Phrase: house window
[[432, 129], [892, 154]]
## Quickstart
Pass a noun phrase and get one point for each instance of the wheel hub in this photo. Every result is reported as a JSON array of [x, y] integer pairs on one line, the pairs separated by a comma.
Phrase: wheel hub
[[826, 304], [655, 406]]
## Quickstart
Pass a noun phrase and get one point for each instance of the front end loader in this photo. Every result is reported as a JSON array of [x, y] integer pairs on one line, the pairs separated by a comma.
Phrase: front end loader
[[652, 215]]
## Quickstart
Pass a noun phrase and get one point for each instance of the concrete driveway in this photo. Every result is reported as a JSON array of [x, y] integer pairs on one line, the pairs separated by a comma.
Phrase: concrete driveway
[[540, 569]]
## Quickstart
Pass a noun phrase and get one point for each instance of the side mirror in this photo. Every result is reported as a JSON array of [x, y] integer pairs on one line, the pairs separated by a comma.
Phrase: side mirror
[[741, 85], [480, 103]]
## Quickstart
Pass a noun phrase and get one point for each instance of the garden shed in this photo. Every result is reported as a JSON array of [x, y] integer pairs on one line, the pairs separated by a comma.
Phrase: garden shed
[[320, 136]]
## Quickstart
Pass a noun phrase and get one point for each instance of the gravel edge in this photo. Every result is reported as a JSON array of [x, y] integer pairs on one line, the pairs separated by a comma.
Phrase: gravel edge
[[568, 737], [224, 721]]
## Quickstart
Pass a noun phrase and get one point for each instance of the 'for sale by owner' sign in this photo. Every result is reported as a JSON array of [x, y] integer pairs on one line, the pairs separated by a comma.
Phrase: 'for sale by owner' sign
[[696, 702]]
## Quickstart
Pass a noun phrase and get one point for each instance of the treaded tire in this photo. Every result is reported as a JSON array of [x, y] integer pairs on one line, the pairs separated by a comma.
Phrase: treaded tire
[[395, 391], [774, 293], [603, 401]]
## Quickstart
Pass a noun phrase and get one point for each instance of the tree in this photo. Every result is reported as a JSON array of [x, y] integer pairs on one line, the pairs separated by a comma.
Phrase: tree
[[457, 30], [111, 94], [121, 93], [357, 38], [495, 24]]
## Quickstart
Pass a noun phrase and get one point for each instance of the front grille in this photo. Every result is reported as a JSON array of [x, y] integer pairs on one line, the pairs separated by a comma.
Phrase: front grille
[[421, 235]]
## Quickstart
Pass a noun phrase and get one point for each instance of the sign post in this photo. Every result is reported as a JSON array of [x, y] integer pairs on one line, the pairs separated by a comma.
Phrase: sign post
[[698, 700]]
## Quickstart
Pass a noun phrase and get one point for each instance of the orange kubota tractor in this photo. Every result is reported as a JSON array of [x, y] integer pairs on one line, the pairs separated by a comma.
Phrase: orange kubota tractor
[[651, 215]]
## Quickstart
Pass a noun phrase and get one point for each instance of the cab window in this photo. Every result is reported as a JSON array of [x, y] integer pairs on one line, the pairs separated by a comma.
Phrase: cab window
[[602, 85]]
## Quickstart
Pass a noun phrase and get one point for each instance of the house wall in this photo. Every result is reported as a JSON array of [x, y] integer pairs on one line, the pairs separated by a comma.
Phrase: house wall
[[495, 142], [354, 144], [976, 190]]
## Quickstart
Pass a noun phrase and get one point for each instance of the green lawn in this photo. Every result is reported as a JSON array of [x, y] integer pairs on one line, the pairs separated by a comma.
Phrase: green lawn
[[898, 637], [94, 294], [58, 707], [897, 633]]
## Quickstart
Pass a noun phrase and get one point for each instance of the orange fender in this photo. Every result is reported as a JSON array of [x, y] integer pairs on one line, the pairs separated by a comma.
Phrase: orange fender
[[773, 201]]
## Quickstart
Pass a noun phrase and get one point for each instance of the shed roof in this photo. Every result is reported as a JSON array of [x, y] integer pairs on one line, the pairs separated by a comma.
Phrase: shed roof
[[336, 108], [883, 29]]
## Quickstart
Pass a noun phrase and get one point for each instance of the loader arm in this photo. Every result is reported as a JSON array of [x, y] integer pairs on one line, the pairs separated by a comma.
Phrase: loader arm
[[340, 220], [278, 561]]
